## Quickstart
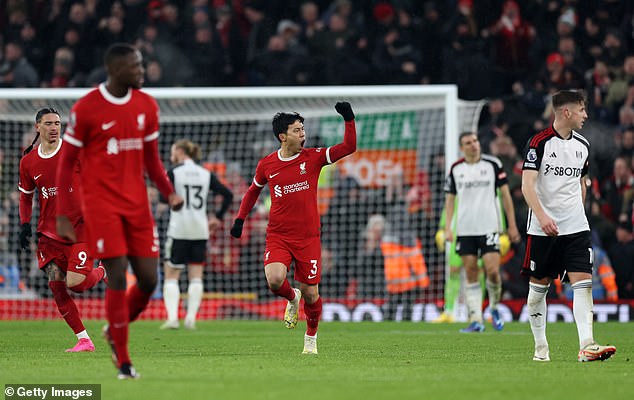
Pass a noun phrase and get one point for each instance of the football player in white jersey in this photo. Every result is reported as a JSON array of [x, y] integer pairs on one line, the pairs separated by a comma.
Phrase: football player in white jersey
[[559, 243], [474, 179], [188, 230]]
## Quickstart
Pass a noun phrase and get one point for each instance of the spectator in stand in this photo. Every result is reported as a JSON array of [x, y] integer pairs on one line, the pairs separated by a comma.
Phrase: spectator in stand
[[622, 255], [618, 191], [205, 53], [369, 263], [233, 47], [397, 59], [262, 28], [16, 71], [405, 266], [618, 88], [513, 37], [613, 50], [432, 41], [341, 228], [626, 144], [309, 21], [591, 40], [33, 47], [63, 69], [598, 84]]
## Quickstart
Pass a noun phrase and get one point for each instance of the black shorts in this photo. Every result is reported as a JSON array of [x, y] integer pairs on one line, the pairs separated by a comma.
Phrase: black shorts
[[180, 252], [551, 256], [478, 245]]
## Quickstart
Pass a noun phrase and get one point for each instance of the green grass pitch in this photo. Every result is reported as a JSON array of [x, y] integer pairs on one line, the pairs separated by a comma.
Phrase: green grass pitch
[[262, 360]]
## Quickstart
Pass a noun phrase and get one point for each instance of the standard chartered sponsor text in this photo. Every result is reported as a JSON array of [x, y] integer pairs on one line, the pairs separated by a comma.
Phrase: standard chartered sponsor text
[[296, 187]]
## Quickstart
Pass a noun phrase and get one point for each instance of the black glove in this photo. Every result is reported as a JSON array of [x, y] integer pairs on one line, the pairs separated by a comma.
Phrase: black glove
[[236, 229], [343, 108], [25, 236]]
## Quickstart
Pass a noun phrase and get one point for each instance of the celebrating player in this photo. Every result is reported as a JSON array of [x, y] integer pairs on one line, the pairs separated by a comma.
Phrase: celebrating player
[[67, 265], [114, 130], [293, 229], [559, 242], [475, 178], [188, 230]]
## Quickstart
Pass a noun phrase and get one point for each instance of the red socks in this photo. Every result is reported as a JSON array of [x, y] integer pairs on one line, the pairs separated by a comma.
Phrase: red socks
[[117, 314], [137, 301], [285, 291], [66, 306], [313, 314], [91, 280]]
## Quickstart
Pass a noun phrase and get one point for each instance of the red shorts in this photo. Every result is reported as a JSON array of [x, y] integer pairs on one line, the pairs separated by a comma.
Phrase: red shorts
[[307, 256], [68, 257], [111, 234]]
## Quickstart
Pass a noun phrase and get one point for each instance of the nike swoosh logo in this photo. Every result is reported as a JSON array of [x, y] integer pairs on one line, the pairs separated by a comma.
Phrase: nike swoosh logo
[[273, 175], [80, 267], [105, 127], [36, 177], [311, 276]]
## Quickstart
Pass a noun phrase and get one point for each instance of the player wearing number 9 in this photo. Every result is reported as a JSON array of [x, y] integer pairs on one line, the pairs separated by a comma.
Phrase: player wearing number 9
[[68, 265], [189, 229]]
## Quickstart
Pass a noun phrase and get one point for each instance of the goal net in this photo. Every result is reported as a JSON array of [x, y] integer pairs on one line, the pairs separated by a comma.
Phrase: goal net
[[379, 207]]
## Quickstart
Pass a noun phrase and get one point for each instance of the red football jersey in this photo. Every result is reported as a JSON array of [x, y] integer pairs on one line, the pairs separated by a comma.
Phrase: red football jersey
[[37, 172], [293, 185], [111, 131]]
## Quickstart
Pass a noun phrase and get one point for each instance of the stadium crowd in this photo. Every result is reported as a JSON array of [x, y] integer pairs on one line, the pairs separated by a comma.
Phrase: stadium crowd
[[513, 54]]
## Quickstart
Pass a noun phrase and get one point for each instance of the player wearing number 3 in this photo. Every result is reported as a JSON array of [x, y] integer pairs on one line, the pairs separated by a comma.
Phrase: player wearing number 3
[[68, 265], [293, 229], [188, 230]]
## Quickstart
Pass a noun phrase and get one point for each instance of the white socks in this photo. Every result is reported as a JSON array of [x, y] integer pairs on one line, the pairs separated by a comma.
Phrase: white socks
[[582, 309], [82, 335], [495, 293], [194, 297], [536, 306], [171, 298], [473, 293]]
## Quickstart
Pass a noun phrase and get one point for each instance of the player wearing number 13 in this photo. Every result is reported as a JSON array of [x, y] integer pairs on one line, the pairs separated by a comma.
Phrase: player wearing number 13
[[293, 230], [67, 264], [188, 230]]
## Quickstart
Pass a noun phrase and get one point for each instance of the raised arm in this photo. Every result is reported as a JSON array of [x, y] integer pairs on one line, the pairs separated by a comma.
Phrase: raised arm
[[349, 144]]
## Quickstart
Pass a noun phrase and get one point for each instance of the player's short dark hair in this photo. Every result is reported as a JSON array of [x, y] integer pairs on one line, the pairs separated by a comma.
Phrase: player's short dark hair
[[282, 120], [568, 97], [43, 111], [465, 134], [116, 51]]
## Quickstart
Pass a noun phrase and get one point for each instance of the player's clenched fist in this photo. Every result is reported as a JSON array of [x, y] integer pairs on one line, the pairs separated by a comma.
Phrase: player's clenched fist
[[344, 108], [236, 229]]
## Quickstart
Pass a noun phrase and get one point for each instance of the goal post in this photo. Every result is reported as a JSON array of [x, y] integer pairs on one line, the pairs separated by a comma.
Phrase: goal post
[[376, 205]]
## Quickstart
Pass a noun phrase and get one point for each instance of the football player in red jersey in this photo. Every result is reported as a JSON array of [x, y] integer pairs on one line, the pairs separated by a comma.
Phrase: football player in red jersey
[[293, 230], [113, 130], [68, 265]]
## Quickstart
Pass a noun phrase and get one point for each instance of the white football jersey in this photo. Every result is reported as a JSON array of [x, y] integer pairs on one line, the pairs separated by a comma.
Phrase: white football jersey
[[475, 186], [561, 164], [191, 181]]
